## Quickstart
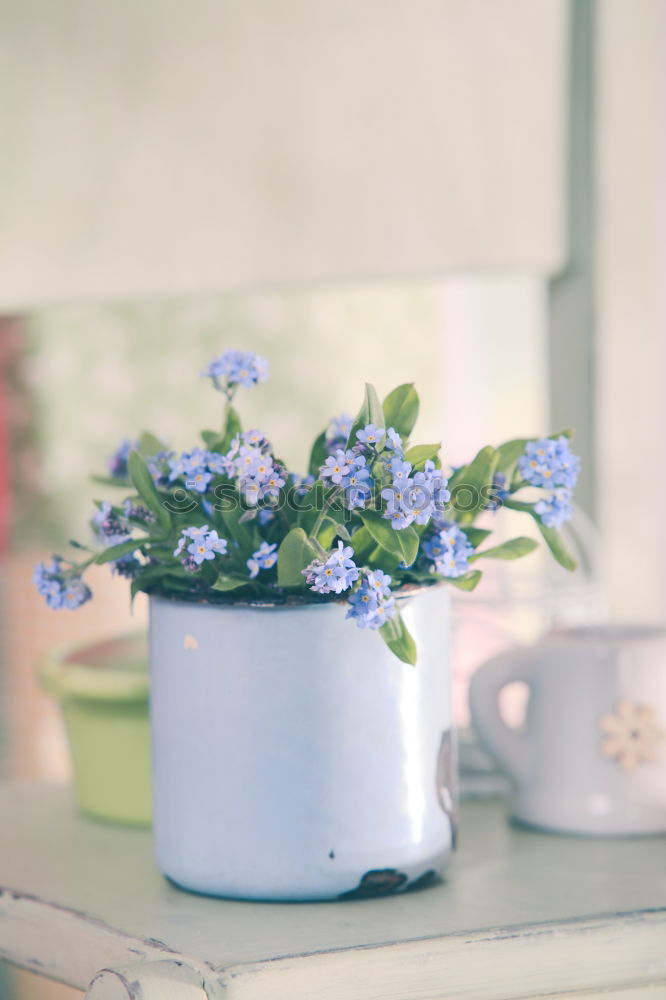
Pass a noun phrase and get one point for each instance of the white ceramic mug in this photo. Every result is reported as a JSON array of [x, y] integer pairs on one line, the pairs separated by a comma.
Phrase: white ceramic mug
[[591, 755]]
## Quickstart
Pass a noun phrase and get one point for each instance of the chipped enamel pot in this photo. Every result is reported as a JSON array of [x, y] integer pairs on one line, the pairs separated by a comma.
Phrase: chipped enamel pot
[[294, 757]]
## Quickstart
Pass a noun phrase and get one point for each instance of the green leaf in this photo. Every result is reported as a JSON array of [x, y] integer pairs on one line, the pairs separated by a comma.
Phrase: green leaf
[[312, 504], [242, 532], [143, 484], [160, 575], [421, 453], [401, 409], [408, 540], [397, 637], [420, 576], [118, 551], [509, 453], [551, 536], [514, 549], [110, 481], [467, 582], [232, 428], [295, 553], [469, 485], [318, 455], [404, 545], [363, 543], [150, 445], [229, 582], [553, 540], [475, 536], [212, 439], [370, 413], [337, 528]]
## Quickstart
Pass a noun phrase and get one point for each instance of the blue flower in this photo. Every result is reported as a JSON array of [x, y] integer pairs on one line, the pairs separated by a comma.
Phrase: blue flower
[[370, 435], [117, 463], [264, 558], [301, 484], [158, 467], [371, 605], [396, 511], [127, 566], [60, 588], [204, 544], [109, 526], [218, 465], [400, 471], [433, 547], [362, 607], [266, 481], [550, 463], [137, 512], [207, 547], [190, 466], [336, 574], [449, 549], [418, 497], [556, 509], [197, 468], [394, 441], [238, 368], [75, 593], [273, 482], [357, 484], [338, 428], [255, 438], [499, 492], [337, 466], [380, 582]]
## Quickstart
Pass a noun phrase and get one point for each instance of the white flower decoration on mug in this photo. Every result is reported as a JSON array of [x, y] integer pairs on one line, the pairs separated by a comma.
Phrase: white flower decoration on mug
[[632, 735]]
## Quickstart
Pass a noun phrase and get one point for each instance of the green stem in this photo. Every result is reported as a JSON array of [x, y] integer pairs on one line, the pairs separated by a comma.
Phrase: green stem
[[322, 514], [284, 518], [527, 508], [78, 568]]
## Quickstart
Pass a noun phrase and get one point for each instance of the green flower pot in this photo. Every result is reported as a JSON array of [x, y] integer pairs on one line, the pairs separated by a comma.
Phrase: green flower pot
[[103, 691]]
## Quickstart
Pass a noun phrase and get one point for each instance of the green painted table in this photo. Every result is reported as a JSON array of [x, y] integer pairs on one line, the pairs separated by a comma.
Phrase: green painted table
[[520, 915]]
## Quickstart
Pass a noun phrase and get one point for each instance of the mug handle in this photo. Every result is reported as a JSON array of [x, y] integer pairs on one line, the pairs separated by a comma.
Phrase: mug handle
[[507, 746]]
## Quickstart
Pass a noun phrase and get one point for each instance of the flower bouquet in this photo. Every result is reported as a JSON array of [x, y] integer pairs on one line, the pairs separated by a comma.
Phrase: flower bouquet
[[374, 516], [294, 758]]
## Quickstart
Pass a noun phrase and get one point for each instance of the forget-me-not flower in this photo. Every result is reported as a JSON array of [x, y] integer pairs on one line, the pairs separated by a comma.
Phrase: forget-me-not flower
[[549, 463], [371, 605], [449, 549], [336, 574], [370, 435], [265, 557], [556, 509], [238, 368]]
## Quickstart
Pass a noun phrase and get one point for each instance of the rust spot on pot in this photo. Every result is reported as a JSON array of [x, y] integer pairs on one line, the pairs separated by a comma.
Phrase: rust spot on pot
[[189, 642], [378, 882]]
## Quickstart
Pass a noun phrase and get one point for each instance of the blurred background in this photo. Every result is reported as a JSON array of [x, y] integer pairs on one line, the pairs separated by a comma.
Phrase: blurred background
[[469, 196]]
